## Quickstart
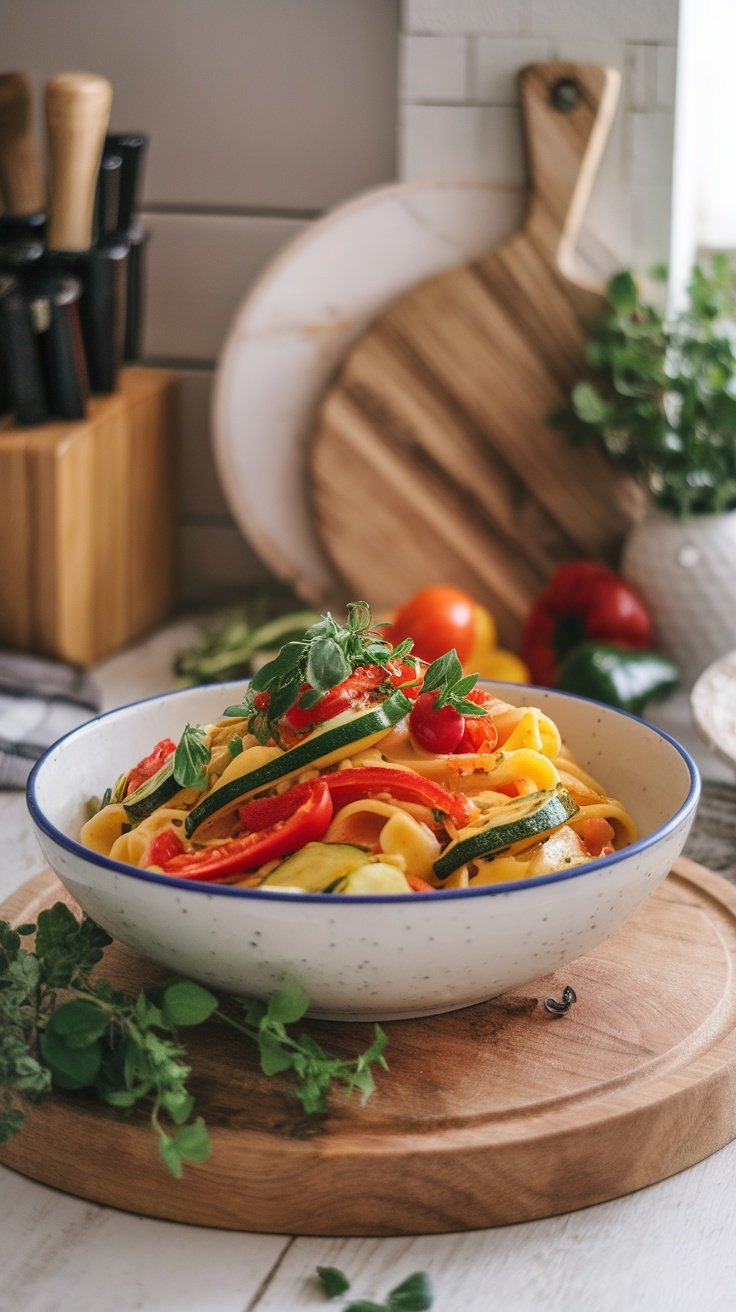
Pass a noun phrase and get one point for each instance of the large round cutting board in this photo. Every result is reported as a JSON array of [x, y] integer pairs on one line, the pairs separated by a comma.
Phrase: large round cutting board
[[498, 1113], [433, 459]]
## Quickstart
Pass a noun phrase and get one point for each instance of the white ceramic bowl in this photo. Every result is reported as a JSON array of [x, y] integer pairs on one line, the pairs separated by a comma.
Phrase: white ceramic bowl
[[368, 957]]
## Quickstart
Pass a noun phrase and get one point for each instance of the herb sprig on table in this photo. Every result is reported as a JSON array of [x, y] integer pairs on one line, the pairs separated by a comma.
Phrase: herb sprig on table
[[414, 1294], [62, 1027]]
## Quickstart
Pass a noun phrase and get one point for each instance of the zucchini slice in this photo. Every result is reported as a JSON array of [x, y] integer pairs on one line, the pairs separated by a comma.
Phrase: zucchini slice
[[523, 820], [316, 866], [153, 792], [325, 746]]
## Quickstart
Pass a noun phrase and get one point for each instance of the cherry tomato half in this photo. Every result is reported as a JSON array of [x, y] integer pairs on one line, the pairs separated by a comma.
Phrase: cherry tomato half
[[438, 619], [435, 731]]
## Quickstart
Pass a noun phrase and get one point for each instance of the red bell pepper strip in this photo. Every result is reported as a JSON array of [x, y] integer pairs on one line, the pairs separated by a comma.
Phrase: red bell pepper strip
[[162, 848], [403, 785], [150, 765], [305, 819], [582, 600]]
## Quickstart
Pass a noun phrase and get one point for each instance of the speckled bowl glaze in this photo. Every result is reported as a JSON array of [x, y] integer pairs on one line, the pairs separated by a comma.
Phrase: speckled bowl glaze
[[368, 957]]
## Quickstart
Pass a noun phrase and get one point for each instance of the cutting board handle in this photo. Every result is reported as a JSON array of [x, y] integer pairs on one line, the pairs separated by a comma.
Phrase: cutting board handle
[[567, 112]]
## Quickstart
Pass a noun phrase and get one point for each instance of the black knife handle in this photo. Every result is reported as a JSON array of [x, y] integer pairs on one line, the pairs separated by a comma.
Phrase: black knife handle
[[55, 318], [103, 271], [19, 356], [131, 147], [107, 197], [135, 294]]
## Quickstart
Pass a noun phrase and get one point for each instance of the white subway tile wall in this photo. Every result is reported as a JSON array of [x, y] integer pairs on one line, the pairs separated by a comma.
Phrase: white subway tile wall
[[629, 212], [263, 113]]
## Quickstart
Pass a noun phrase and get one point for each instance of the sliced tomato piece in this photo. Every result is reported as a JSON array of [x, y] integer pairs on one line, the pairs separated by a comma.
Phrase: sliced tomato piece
[[596, 835], [403, 785], [162, 848], [304, 820], [353, 692], [150, 765]]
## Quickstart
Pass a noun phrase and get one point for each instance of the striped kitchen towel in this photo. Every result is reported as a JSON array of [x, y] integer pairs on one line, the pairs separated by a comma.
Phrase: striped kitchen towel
[[40, 700]]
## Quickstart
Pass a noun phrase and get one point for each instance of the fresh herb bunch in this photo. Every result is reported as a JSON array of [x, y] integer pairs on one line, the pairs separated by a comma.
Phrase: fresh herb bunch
[[414, 1294], [60, 1027], [324, 656], [662, 400]]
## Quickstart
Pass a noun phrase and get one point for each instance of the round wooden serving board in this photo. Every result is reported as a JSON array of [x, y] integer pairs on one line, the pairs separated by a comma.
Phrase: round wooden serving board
[[495, 1114]]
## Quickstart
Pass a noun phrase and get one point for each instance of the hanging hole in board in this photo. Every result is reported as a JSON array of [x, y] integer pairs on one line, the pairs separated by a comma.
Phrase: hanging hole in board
[[565, 95]]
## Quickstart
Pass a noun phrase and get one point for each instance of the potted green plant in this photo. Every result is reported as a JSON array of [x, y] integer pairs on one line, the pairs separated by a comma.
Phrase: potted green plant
[[661, 401]]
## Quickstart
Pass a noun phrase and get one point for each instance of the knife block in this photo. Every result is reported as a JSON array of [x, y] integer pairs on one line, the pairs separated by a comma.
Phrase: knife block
[[87, 523]]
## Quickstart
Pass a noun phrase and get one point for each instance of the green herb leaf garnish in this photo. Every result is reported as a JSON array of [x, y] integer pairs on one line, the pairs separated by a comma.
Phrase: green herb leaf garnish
[[306, 669], [452, 684], [191, 758]]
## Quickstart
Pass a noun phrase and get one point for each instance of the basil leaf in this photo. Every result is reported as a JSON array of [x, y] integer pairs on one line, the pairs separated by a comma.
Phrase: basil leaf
[[326, 665], [191, 758]]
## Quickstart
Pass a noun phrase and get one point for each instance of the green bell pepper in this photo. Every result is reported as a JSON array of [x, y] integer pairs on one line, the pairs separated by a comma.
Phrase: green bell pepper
[[621, 678]]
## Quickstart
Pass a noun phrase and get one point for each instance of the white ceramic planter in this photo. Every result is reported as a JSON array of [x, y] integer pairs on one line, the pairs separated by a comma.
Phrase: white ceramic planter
[[685, 572]]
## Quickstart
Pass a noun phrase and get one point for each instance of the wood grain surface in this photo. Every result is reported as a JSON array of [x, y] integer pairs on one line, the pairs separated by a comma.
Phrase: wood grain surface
[[495, 1114], [86, 523], [432, 458]]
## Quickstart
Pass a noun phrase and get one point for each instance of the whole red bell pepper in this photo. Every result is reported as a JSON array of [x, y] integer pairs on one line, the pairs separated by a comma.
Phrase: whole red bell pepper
[[582, 600], [404, 785], [300, 815]]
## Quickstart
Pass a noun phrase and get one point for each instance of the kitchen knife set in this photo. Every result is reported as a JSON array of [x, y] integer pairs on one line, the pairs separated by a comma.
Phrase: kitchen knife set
[[70, 274]]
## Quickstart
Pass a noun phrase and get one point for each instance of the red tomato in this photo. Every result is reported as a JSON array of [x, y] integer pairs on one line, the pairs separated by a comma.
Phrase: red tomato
[[305, 818], [435, 731], [438, 619], [150, 765], [162, 848], [481, 734]]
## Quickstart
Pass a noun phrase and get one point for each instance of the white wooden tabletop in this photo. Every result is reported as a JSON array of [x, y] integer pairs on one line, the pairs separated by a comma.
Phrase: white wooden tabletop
[[671, 1246]]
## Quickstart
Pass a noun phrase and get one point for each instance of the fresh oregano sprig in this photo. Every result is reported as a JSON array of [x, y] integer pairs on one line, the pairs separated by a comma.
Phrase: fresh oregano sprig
[[415, 1294], [661, 396], [307, 668], [445, 675], [60, 1027]]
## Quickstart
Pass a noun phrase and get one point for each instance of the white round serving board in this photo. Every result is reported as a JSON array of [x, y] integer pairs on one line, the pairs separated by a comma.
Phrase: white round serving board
[[294, 328]]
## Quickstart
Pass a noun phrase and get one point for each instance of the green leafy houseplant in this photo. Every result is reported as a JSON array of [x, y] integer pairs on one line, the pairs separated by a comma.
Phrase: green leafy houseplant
[[661, 400]]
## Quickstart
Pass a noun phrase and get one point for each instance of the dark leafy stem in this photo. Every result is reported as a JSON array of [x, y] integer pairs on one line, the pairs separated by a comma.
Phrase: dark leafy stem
[[60, 1027], [661, 399]]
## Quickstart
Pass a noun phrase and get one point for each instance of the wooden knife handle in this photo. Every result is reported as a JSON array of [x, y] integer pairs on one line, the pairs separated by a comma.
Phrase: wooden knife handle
[[21, 182], [567, 110], [77, 116]]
